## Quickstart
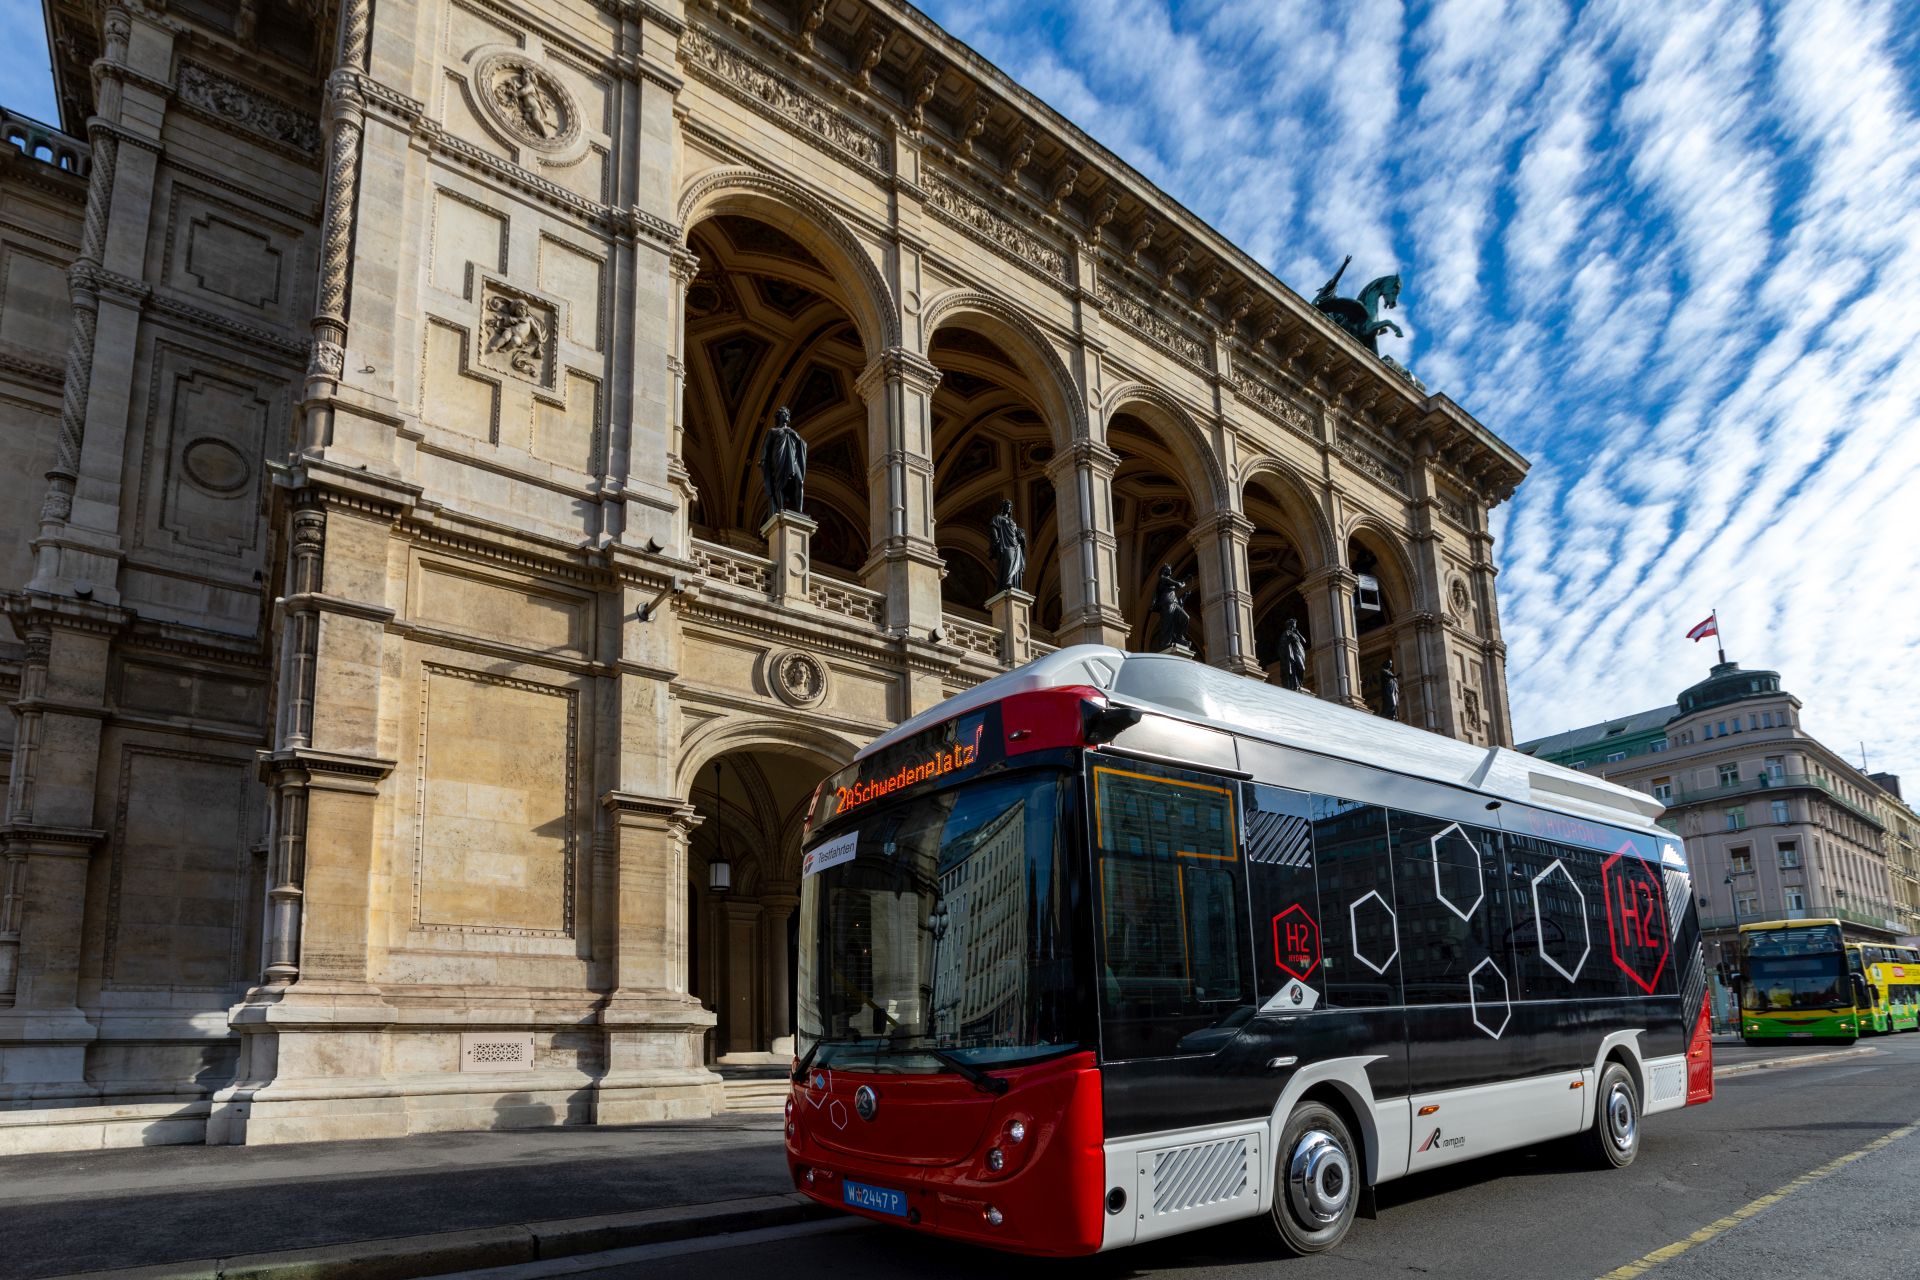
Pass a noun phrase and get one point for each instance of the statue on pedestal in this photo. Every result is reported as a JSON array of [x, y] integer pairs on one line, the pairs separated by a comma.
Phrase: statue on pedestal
[[1170, 602], [783, 464], [1389, 691], [1008, 542], [1293, 656], [1361, 316]]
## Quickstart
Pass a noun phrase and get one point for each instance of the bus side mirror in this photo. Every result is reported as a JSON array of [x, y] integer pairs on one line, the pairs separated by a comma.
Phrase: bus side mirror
[[1861, 998]]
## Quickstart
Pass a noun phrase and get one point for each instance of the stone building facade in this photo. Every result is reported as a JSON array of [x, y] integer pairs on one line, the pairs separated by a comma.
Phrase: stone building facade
[[1777, 824], [399, 642]]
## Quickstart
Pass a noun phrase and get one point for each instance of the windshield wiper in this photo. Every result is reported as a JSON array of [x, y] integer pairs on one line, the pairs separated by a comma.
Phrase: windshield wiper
[[981, 1080], [850, 1037]]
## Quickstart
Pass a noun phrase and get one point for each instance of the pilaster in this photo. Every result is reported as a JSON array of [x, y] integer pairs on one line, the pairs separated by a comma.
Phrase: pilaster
[[1226, 595], [904, 563], [1083, 484]]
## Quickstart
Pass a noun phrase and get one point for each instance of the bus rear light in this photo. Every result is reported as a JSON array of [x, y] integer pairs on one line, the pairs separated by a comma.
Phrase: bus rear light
[[996, 1159], [1700, 1057], [992, 1215]]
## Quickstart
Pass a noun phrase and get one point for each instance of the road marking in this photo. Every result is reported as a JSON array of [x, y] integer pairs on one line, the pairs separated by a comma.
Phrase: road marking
[[1640, 1266]]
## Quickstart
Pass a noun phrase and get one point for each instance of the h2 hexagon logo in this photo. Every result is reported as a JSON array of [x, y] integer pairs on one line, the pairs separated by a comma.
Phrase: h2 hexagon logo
[[1636, 918], [1296, 942]]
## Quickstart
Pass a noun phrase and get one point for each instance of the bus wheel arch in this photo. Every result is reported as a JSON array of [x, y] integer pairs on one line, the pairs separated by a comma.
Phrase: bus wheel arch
[[1335, 1096], [1622, 1047]]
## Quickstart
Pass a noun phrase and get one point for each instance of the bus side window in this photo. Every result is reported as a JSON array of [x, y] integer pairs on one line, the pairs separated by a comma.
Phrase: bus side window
[[1559, 921], [1359, 921], [1453, 906], [1278, 839], [1175, 961]]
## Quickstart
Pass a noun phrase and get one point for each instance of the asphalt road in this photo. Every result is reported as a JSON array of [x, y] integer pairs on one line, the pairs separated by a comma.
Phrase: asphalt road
[[1520, 1216]]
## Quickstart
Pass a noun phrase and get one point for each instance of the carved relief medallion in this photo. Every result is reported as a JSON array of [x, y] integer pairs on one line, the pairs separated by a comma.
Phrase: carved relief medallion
[[527, 101], [797, 679]]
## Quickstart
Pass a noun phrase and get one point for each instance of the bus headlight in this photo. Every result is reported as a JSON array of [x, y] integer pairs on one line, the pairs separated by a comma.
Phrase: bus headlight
[[1017, 1132], [996, 1160]]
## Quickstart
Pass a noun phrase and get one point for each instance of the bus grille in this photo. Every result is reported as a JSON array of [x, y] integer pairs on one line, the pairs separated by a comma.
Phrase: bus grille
[[1203, 1174]]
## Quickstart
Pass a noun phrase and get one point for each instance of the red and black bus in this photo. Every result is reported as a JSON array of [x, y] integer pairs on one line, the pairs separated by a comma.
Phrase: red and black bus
[[1115, 946]]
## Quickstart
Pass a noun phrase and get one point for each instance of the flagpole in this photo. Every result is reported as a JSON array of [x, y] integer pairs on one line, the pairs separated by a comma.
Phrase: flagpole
[[1719, 641]]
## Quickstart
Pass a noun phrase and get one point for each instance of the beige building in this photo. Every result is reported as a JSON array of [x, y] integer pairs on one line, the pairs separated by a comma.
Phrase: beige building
[[1777, 825], [397, 638]]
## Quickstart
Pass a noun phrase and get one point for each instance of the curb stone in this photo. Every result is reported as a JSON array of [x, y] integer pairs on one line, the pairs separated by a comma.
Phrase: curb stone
[[1795, 1060], [410, 1257]]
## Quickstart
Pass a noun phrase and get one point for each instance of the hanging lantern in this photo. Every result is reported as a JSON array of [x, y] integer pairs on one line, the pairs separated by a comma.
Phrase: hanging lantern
[[720, 875]]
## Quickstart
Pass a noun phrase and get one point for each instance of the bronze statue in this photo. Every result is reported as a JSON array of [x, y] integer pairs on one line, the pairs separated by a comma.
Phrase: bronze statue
[[1293, 656], [1008, 543], [1389, 691], [1170, 602], [1361, 316], [783, 464]]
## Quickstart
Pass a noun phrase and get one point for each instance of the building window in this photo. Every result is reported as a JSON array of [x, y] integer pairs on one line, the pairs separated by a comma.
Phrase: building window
[[1742, 857], [1776, 767], [1720, 728], [1663, 790], [1616, 755], [1659, 745], [1766, 719], [1706, 731], [1789, 851], [1779, 810], [1753, 721], [1737, 818], [1747, 904], [1796, 900], [1729, 774]]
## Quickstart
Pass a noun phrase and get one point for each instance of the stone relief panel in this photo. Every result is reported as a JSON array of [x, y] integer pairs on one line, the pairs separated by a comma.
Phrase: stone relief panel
[[34, 304], [236, 262], [796, 678], [207, 91], [150, 688], [496, 826], [526, 101], [204, 445], [176, 883], [516, 333]]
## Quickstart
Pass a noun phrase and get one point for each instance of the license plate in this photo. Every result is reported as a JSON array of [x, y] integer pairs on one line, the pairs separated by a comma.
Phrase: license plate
[[1799, 1035], [874, 1199]]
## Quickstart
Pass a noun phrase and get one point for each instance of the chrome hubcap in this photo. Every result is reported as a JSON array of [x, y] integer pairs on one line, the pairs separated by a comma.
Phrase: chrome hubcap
[[1319, 1179], [1620, 1119]]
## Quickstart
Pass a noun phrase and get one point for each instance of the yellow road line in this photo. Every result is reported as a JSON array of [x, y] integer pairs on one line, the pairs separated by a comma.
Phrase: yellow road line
[[1640, 1266]]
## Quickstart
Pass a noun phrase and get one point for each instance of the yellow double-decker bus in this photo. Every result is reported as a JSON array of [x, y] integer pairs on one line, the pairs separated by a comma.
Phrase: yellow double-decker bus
[[1892, 978], [1795, 983]]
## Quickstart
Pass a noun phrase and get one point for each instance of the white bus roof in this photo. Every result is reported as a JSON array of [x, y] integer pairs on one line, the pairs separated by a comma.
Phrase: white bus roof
[[1193, 691]]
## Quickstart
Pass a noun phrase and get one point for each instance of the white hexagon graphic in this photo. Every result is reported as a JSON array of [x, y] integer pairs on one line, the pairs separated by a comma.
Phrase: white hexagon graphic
[[1586, 935], [1459, 837], [1506, 998], [1353, 925]]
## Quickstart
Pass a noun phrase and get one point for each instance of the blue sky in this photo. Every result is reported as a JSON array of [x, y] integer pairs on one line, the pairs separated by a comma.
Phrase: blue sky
[[1670, 252]]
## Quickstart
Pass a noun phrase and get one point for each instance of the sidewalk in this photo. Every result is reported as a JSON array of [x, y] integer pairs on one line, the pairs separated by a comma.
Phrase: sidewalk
[[492, 1198]]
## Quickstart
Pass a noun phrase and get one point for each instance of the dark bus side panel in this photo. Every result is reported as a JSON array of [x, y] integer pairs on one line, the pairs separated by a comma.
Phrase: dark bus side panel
[[1453, 943]]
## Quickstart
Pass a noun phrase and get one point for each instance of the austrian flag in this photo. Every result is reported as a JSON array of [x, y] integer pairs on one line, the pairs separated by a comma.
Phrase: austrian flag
[[1711, 627]]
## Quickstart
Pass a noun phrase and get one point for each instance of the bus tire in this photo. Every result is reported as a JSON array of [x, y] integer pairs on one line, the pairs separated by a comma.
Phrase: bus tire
[[1614, 1139], [1317, 1183]]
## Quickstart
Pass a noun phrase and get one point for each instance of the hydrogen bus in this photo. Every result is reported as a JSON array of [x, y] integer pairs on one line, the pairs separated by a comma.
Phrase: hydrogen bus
[[1891, 974], [1115, 946]]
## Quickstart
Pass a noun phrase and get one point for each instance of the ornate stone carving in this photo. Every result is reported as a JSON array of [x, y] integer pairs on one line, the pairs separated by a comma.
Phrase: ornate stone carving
[[924, 83], [253, 111], [515, 333], [527, 101], [976, 122], [1019, 151], [1000, 231], [1063, 183], [1277, 406], [1137, 316], [712, 61], [816, 14], [1363, 460], [797, 679], [1102, 216]]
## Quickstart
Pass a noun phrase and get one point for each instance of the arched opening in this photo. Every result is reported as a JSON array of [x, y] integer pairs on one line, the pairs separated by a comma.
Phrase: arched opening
[[1281, 552], [1382, 602], [743, 868], [768, 326], [991, 443], [1154, 513]]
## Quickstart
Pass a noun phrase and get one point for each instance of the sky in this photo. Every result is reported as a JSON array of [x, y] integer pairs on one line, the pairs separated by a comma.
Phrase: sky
[[1670, 252]]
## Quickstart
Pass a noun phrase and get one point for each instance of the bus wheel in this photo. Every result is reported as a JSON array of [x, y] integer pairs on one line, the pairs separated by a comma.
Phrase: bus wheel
[[1317, 1184], [1615, 1136]]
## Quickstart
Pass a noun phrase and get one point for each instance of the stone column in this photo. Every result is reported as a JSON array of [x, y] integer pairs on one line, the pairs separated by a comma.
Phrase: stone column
[[1334, 659], [1432, 684], [1012, 613], [652, 1023], [776, 911], [789, 538], [904, 563], [1083, 485], [1220, 544]]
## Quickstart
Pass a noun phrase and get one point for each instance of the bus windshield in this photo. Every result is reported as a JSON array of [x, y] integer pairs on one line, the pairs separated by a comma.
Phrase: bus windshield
[[939, 929], [1795, 982]]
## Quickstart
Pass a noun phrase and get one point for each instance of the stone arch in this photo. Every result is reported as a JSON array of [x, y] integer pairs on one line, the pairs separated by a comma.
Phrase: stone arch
[[1028, 347], [786, 205], [768, 735], [1278, 475], [1183, 436], [1389, 546]]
